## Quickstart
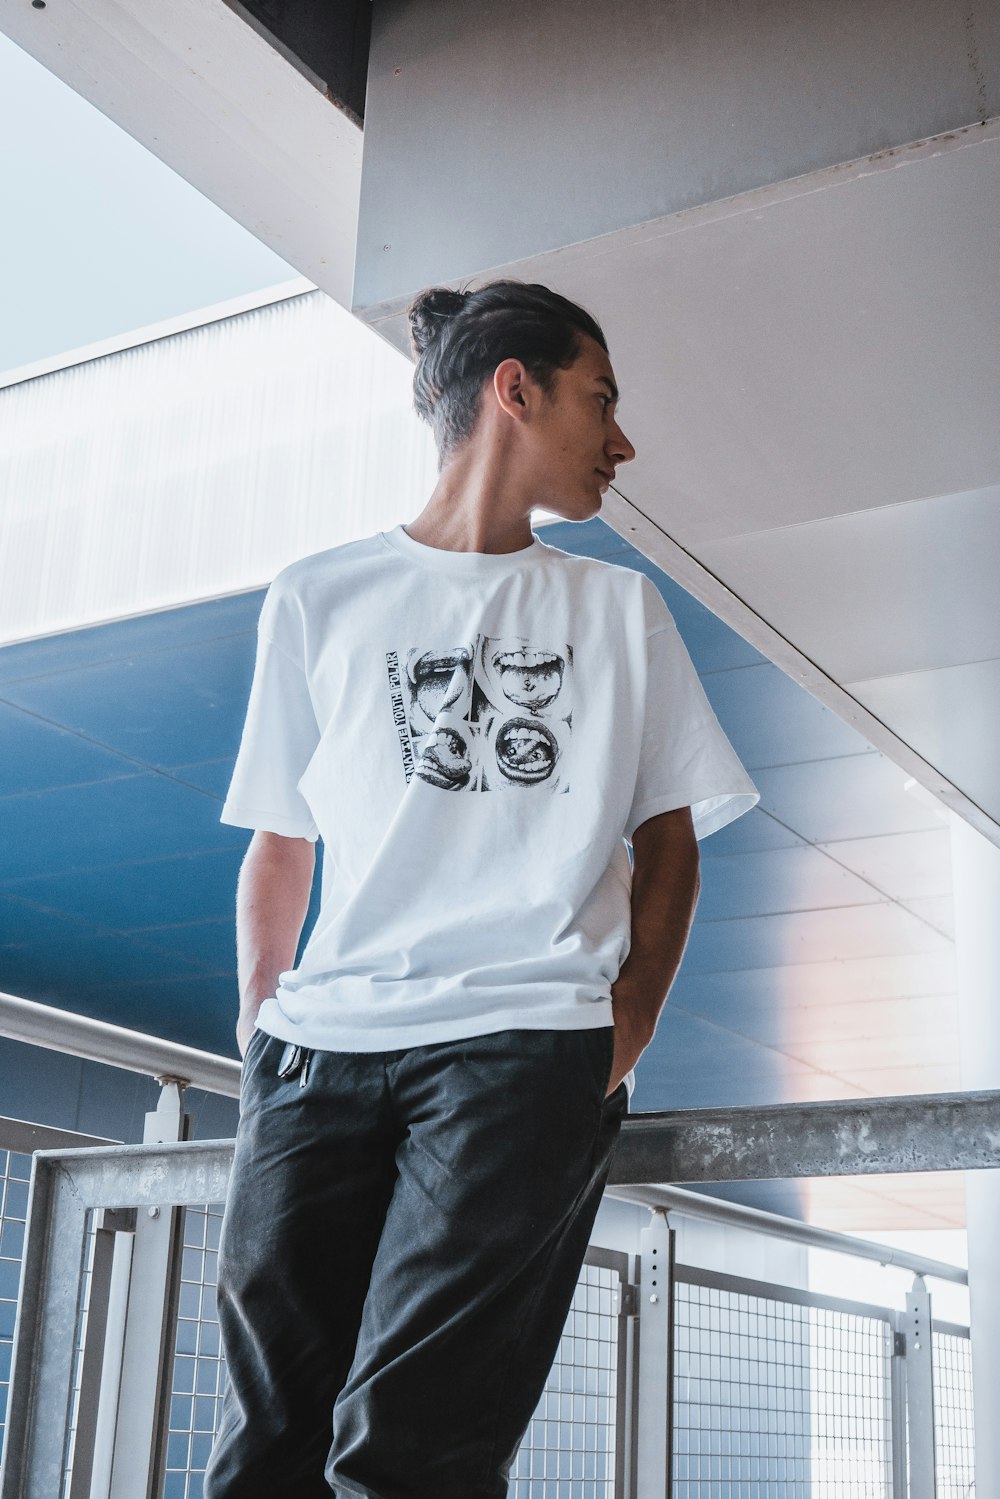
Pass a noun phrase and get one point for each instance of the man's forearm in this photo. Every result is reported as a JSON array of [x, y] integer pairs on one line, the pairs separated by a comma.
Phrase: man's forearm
[[665, 885], [272, 899]]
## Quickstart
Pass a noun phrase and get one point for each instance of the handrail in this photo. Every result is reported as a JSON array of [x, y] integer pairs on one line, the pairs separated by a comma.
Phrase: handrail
[[116, 1046], [97, 1040], [715, 1210]]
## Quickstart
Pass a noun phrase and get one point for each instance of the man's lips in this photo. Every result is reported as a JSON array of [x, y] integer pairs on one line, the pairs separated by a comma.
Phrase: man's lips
[[605, 475]]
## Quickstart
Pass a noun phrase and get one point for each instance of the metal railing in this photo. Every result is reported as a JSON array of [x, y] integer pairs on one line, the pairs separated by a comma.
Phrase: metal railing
[[115, 1046], [668, 1379]]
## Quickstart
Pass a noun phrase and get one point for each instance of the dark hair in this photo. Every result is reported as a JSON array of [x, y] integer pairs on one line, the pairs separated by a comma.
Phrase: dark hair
[[459, 338]]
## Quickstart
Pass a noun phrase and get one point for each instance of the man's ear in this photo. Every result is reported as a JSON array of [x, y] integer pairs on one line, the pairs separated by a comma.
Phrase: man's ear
[[512, 387]]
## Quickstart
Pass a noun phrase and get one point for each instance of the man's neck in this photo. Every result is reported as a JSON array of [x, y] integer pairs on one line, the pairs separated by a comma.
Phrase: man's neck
[[479, 504]]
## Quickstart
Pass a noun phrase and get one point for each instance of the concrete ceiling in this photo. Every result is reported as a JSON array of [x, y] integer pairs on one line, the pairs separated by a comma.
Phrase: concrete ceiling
[[786, 218], [809, 378]]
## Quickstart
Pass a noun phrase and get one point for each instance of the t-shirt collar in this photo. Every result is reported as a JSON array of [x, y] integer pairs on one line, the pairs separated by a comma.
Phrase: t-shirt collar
[[467, 563]]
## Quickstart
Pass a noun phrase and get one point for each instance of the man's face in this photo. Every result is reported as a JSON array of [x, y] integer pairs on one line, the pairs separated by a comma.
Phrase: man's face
[[576, 441]]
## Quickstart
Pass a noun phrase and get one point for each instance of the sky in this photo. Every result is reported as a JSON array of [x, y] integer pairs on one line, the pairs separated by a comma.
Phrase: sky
[[99, 236]]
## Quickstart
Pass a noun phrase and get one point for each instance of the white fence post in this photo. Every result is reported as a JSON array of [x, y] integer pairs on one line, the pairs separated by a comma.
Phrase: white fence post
[[920, 1391], [654, 1394], [140, 1428]]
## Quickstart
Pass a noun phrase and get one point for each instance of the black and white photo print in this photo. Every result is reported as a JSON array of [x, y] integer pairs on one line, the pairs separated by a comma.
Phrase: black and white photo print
[[488, 714]]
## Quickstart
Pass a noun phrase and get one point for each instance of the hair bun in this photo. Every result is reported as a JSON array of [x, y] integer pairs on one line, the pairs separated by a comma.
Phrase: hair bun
[[430, 312]]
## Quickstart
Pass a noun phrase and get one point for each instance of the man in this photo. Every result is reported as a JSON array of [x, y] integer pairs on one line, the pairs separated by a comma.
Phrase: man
[[475, 723]]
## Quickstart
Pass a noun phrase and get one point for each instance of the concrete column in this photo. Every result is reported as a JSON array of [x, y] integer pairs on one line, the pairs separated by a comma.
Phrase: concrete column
[[976, 880]]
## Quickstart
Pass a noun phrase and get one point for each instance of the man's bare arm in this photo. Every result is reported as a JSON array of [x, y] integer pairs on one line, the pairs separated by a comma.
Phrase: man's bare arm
[[272, 899], [665, 886]]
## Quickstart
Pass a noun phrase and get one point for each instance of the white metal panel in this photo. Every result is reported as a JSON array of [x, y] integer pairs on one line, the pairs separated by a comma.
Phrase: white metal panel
[[898, 588], [806, 1032], [823, 936], [937, 910], [914, 1201], [780, 724], [883, 1082], [774, 880], [902, 1046], [907, 866], [755, 830], [201, 463], [855, 796], [764, 996], [919, 1201], [951, 716]]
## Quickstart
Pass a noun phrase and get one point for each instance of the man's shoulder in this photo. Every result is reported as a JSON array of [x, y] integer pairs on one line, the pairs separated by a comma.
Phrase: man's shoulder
[[630, 590], [625, 583], [317, 570]]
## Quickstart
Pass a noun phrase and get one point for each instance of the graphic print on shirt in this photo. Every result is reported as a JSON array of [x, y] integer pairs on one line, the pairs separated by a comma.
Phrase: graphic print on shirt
[[488, 714]]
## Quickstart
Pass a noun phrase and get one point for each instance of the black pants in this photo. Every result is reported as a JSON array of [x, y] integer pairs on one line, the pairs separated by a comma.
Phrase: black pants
[[401, 1243]]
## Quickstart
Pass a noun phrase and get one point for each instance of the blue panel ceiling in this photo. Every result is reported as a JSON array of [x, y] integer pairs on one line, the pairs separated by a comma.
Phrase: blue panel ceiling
[[117, 880]]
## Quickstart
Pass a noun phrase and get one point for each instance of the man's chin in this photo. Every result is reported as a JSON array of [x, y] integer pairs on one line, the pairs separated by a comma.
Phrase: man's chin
[[576, 510]]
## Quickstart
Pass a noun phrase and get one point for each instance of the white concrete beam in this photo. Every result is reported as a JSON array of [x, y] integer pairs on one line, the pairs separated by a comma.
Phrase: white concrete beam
[[203, 91]]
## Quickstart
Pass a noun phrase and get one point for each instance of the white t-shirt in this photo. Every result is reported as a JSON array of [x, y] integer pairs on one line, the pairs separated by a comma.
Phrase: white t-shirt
[[473, 736]]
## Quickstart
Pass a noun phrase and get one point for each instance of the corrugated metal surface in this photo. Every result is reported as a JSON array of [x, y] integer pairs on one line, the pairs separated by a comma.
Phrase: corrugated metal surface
[[201, 463]]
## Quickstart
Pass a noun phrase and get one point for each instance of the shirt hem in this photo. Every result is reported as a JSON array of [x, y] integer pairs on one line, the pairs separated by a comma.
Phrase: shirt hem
[[335, 1037], [709, 814], [267, 822]]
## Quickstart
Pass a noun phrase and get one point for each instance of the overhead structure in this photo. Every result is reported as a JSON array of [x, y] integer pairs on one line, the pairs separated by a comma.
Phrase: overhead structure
[[212, 92], [785, 216]]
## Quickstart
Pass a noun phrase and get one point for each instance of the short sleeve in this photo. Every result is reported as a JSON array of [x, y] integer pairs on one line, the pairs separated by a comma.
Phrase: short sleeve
[[280, 733], [685, 758]]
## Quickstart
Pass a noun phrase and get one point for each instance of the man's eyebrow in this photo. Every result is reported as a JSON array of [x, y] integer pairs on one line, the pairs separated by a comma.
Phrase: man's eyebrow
[[610, 384]]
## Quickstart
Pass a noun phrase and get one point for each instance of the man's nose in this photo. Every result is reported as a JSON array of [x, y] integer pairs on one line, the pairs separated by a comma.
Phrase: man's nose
[[620, 448]]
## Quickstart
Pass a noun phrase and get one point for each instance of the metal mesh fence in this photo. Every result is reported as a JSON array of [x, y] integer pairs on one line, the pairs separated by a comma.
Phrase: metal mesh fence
[[953, 1429], [15, 1173], [79, 1337], [199, 1372], [570, 1448], [776, 1394]]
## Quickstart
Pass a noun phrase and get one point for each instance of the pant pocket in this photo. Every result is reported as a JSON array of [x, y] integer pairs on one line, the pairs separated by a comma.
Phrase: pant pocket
[[606, 1038]]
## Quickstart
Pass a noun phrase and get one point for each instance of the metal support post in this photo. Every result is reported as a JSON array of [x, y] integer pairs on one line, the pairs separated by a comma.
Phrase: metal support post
[[897, 1408], [150, 1324], [654, 1397], [628, 1381], [111, 1371], [920, 1391], [110, 1224], [627, 1376], [41, 1383]]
